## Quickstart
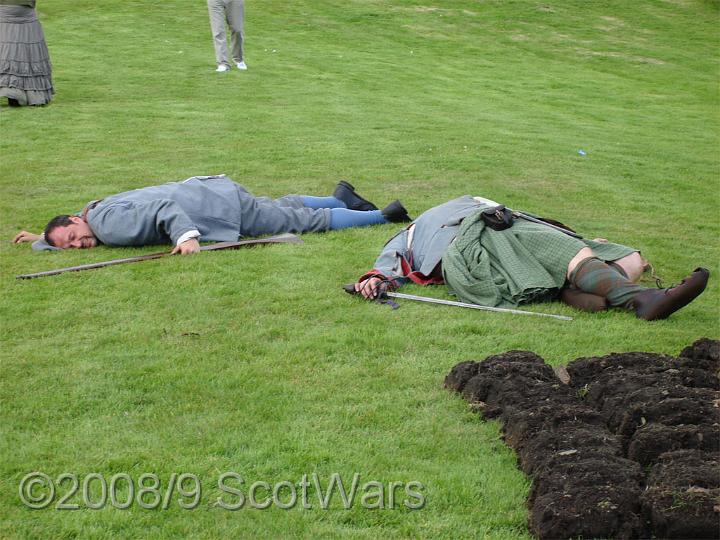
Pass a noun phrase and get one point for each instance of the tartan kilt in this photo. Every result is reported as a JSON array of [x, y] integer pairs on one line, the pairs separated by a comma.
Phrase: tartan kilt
[[525, 263]]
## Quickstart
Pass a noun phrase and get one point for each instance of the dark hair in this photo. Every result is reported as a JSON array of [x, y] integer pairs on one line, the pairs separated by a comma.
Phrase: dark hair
[[54, 223]]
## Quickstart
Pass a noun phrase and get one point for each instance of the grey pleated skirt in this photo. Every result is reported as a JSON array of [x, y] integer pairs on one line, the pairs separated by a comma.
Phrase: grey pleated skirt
[[25, 69]]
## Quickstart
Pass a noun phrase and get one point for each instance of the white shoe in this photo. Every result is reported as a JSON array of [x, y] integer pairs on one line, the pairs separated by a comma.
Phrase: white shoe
[[221, 68], [241, 65]]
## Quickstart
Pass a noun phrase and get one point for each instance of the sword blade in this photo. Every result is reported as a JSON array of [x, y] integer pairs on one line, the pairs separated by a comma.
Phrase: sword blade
[[286, 238], [474, 306]]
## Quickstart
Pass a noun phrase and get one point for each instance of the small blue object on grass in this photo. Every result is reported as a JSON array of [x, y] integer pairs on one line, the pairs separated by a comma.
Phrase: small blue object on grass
[[582, 152]]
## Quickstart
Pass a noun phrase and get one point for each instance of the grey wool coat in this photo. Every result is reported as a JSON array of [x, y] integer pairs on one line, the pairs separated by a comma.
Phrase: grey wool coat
[[220, 209], [414, 252]]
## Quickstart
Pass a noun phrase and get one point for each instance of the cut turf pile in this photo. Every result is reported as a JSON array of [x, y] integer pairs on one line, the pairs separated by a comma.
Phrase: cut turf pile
[[589, 439]]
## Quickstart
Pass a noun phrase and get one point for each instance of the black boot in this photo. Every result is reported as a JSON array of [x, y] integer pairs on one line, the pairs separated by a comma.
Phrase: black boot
[[345, 192], [395, 213], [653, 304]]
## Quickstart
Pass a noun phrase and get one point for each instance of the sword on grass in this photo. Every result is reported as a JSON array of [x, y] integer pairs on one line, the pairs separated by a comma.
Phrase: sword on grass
[[384, 294], [279, 239]]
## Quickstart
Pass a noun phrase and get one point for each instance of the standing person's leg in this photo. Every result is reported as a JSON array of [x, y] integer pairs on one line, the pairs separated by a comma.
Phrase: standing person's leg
[[216, 10], [235, 14]]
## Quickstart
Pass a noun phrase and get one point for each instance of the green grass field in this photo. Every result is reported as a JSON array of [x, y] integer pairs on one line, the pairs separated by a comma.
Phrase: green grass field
[[255, 361]]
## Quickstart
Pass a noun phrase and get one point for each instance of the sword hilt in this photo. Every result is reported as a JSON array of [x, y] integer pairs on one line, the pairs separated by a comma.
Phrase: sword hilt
[[382, 297], [382, 289], [350, 288]]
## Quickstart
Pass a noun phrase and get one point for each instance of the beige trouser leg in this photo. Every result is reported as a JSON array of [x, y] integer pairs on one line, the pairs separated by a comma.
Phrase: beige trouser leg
[[232, 11], [235, 14], [216, 9]]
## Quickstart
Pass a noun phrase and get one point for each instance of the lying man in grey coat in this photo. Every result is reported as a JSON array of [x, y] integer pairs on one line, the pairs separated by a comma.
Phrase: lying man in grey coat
[[525, 262], [208, 208]]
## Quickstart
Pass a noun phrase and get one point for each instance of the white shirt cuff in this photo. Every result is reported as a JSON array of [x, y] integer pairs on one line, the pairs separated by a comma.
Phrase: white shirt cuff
[[187, 236]]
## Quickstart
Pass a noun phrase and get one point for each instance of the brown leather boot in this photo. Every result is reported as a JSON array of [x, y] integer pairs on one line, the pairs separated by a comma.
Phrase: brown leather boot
[[653, 304], [582, 300]]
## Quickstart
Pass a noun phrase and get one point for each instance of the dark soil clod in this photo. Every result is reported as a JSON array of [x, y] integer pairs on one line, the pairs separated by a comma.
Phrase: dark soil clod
[[683, 492], [628, 447]]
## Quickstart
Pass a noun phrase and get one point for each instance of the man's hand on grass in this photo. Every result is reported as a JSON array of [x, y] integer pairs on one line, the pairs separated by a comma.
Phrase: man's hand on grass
[[24, 236], [369, 287], [187, 247]]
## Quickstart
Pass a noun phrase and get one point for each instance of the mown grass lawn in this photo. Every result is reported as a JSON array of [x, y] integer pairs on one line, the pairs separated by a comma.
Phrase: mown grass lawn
[[255, 361]]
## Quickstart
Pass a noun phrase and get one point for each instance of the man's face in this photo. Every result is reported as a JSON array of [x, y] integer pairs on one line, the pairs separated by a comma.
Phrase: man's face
[[76, 235]]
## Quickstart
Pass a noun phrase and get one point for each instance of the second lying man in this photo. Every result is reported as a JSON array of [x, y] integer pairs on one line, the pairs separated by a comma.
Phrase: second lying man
[[527, 262]]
